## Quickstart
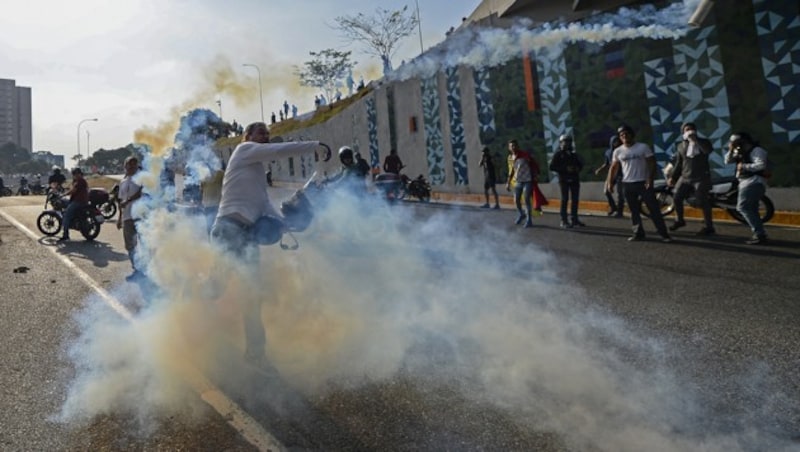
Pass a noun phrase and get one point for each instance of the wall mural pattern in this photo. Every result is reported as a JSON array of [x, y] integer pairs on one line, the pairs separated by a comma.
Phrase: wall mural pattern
[[689, 86], [457, 141], [483, 97], [555, 102], [433, 130], [372, 132], [778, 28]]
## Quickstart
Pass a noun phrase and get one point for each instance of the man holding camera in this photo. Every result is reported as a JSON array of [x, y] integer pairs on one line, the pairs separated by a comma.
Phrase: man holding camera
[[751, 163], [692, 171]]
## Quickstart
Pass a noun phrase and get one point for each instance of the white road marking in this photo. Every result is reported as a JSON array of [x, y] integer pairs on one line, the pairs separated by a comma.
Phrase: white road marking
[[237, 418]]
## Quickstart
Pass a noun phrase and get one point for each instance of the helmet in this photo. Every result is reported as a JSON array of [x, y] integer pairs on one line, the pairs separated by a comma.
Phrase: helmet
[[56, 169], [740, 137], [564, 137], [77, 170], [297, 212], [345, 152], [268, 230], [625, 128]]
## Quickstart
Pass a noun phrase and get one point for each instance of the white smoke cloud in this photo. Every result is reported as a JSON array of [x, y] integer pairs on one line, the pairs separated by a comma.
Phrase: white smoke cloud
[[373, 292]]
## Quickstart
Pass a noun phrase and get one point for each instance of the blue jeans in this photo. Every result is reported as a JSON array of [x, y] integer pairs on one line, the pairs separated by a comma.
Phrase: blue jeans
[[523, 189], [238, 239], [69, 214], [747, 205]]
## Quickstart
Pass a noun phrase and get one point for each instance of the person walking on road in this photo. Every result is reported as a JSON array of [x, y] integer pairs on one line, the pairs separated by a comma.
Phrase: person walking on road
[[638, 165], [522, 176], [489, 178]]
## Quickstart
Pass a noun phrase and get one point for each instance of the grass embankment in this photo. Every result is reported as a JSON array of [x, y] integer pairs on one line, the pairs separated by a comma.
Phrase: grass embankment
[[287, 126]]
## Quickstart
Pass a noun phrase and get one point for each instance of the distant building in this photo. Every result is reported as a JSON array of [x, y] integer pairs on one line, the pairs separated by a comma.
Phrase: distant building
[[15, 115]]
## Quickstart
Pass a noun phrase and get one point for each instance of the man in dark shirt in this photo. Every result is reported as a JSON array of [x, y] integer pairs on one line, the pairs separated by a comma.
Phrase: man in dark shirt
[[392, 163], [78, 199], [56, 180]]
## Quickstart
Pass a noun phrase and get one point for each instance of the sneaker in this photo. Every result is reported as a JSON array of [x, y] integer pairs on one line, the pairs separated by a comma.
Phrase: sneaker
[[612, 213], [757, 240], [520, 218], [538, 212], [565, 225], [497, 206], [636, 238], [618, 215], [578, 223], [485, 206], [677, 225], [529, 224], [706, 231], [134, 276]]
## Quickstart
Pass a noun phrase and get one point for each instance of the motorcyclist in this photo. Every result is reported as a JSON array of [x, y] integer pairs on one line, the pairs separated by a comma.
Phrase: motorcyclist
[[79, 198], [56, 180], [349, 176], [23, 186]]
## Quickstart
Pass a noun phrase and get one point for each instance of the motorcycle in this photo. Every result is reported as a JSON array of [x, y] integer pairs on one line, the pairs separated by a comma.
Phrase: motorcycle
[[398, 186], [723, 195], [87, 221], [108, 207], [24, 189]]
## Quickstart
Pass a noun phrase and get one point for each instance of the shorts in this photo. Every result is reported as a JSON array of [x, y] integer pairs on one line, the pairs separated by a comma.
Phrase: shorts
[[129, 235]]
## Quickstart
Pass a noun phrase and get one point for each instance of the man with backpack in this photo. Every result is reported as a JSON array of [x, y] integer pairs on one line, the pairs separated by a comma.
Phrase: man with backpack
[[751, 171]]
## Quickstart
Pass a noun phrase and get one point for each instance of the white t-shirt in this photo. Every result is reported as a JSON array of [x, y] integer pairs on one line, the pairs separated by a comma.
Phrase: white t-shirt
[[633, 161], [127, 188], [244, 187]]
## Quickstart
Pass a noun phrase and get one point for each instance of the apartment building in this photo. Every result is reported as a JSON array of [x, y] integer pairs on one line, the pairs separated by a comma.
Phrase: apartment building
[[15, 115]]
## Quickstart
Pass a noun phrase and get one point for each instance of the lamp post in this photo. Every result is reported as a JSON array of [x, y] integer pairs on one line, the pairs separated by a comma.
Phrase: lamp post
[[87, 143], [260, 93], [79, 137]]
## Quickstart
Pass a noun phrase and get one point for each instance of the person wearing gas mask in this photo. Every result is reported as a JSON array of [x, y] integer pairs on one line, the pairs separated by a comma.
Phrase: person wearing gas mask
[[638, 165], [568, 165], [243, 204], [751, 163], [691, 171]]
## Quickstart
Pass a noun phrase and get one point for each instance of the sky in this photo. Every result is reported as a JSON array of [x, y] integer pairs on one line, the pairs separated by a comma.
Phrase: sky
[[137, 65]]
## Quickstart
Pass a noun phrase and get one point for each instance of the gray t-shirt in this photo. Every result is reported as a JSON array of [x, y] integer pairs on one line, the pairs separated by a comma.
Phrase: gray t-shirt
[[633, 161]]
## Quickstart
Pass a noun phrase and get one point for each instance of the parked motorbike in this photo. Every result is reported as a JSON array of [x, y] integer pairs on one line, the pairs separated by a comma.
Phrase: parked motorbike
[[398, 186], [5, 191], [108, 207], [24, 189], [87, 221], [723, 195]]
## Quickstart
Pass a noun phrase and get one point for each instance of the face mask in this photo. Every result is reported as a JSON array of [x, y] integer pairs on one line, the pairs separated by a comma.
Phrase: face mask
[[688, 134]]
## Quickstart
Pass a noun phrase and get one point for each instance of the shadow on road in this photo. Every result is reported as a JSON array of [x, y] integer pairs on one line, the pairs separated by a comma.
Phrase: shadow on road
[[99, 253]]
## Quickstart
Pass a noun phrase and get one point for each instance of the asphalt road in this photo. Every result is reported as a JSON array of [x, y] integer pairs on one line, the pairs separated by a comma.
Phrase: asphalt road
[[520, 339]]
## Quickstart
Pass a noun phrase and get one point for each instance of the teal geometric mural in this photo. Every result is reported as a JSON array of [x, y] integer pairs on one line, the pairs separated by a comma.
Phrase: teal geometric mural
[[457, 141], [555, 101], [778, 28], [372, 132], [689, 87], [433, 130], [483, 100]]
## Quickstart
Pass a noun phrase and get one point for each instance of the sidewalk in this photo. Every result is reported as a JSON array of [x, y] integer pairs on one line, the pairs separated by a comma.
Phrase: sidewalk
[[782, 218]]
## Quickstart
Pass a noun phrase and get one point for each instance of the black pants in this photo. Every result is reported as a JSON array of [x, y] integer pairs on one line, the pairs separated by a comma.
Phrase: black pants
[[636, 193], [619, 205], [571, 189]]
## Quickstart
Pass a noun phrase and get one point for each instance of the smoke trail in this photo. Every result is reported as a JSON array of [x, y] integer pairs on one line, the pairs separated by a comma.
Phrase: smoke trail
[[479, 47]]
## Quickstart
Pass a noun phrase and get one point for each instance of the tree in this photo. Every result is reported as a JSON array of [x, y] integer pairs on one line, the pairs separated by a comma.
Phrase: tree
[[380, 33], [328, 67]]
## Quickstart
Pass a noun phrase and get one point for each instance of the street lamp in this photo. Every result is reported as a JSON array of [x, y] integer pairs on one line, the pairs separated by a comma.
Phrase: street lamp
[[260, 93], [79, 138]]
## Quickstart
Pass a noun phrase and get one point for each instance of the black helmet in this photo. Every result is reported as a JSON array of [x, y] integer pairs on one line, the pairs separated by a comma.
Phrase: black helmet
[[345, 152]]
